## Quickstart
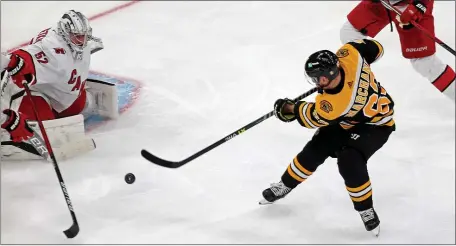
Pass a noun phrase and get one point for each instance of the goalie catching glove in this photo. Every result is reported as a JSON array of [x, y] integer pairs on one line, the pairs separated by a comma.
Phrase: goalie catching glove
[[16, 125], [283, 110]]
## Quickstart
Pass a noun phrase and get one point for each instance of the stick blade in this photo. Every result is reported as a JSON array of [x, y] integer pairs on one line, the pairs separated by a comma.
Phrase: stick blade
[[164, 163], [72, 231]]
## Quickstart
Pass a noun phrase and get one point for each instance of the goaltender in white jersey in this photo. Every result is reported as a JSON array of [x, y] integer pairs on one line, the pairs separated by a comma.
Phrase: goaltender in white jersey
[[55, 65]]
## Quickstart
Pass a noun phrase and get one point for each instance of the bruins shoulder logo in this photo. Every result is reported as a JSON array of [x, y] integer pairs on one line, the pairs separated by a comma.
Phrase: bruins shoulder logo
[[342, 53], [326, 106]]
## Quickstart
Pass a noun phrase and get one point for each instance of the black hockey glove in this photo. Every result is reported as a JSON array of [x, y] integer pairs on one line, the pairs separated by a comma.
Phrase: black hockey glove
[[281, 113]]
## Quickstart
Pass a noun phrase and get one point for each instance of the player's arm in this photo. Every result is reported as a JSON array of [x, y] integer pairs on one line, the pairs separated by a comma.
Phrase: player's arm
[[15, 124], [370, 49], [309, 116], [21, 67]]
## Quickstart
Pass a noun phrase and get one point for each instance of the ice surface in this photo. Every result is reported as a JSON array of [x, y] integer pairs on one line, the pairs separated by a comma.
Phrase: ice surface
[[207, 69]]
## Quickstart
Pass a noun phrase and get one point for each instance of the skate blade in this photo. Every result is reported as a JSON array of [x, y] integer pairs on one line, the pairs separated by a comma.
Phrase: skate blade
[[376, 231], [264, 202]]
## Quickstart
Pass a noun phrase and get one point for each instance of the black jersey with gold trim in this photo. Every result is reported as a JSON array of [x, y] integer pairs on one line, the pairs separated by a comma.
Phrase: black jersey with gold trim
[[359, 98]]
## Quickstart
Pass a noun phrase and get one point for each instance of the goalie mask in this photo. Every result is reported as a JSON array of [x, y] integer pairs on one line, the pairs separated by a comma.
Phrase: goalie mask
[[74, 28]]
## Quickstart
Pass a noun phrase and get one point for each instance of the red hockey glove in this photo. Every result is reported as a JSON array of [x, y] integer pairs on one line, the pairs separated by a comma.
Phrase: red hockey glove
[[414, 11], [20, 71], [16, 125]]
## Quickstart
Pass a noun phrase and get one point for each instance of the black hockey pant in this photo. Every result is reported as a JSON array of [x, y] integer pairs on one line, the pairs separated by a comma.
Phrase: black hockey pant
[[352, 148]]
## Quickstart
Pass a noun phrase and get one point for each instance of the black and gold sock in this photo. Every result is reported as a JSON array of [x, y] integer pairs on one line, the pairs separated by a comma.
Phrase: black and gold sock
[[295, 174]]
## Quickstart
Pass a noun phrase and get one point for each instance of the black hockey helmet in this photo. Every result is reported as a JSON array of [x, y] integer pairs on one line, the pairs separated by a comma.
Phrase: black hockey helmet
[[322, 63]]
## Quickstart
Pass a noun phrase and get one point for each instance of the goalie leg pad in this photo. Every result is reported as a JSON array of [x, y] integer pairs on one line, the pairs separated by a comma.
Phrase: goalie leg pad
[[26, 151], [66, 135], [101, 99]]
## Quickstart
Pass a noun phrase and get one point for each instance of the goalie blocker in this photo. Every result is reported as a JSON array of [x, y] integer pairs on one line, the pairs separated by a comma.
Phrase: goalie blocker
[[67, 135]]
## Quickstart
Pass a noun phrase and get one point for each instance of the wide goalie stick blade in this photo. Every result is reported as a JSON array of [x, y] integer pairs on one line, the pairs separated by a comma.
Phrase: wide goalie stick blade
[[164, 163]]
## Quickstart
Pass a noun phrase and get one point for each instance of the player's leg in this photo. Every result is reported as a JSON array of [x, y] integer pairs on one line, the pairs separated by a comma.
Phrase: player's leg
[[441, 75], [362, 143], [421, 50], [26, 106], [366, 19], [66, 133], [97, 98], [102, 99], [42, 105], [322, 145], [76, 108]]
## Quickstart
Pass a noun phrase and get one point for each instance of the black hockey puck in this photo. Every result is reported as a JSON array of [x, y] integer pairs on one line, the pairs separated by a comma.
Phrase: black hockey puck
[[130, 178]]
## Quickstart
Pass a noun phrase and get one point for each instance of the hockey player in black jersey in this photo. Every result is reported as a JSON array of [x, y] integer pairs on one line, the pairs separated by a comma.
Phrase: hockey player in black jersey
[[354, 117]]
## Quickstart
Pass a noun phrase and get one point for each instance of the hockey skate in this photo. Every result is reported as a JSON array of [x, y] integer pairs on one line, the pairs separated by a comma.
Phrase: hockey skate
[[371, 221], [274, 193]]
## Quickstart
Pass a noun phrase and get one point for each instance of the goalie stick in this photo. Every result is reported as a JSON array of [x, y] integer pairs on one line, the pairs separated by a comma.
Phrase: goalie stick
[[74, 229], [175, 164]]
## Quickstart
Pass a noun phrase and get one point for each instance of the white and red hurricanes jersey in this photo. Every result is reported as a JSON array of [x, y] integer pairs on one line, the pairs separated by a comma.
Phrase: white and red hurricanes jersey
[[59, 76]]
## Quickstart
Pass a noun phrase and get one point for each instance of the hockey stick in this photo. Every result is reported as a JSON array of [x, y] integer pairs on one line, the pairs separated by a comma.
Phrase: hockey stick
[[36, 143], [424, 30], [175, 164], [74, 229]]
